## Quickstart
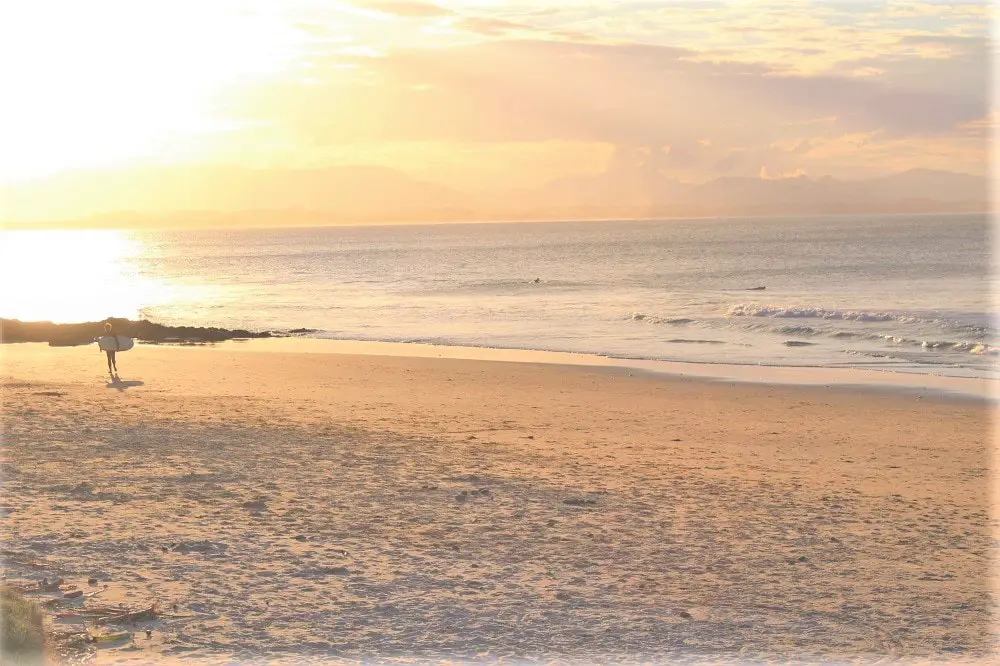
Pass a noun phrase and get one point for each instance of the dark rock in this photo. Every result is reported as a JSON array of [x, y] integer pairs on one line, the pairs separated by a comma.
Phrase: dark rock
[[255, 505], [203, 547], [333, 571], [66, 335]]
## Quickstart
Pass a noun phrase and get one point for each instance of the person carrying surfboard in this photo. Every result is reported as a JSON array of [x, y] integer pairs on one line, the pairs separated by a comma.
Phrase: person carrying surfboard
[[111, 352]]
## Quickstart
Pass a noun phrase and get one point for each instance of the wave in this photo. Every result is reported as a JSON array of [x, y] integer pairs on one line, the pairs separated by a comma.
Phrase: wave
[[974, 347], [501, 284], [915, 359], [653, 319], [969, 347], [796, 330], [754, 310], [774, 311], [979, 348]]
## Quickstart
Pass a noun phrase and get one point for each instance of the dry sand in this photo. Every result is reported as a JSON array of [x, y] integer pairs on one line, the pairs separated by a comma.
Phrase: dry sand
[[379, 507]]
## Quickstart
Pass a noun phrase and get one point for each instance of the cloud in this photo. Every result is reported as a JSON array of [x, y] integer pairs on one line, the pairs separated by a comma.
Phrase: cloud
[[803, 38], [629, 94], [686, 88], [765, 174], [491, 26], [404, 8]]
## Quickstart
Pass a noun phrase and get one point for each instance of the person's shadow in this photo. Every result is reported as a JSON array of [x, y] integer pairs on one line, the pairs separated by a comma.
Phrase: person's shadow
[[120, 384]]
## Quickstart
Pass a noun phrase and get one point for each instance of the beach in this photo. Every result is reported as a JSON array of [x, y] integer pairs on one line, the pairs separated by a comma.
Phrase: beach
[[328, 507]]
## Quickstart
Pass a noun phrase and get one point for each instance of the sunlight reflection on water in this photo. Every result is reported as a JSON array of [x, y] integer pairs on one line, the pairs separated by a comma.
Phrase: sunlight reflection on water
[[75, 275]]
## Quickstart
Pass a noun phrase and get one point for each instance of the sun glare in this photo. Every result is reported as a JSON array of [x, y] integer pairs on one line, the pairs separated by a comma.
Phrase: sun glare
[[113, 82], [74, 276]]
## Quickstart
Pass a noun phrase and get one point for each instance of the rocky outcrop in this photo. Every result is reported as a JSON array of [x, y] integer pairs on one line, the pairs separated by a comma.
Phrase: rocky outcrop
[[66, 335]]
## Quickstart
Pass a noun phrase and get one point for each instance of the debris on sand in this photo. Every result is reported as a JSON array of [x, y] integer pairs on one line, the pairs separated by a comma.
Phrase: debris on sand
[[203, 547], [46, 585], [128, 617], [110, 636], [255, 505], [579, 501]]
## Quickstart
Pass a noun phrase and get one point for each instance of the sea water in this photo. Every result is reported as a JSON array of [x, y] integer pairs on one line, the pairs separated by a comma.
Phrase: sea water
[[907, 293]]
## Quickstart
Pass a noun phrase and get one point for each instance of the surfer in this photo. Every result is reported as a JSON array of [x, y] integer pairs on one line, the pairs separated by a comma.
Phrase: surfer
[[111, 352]]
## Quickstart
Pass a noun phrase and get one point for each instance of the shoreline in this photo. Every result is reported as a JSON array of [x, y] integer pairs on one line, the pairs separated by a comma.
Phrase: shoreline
[[903, 383], [303, 340]]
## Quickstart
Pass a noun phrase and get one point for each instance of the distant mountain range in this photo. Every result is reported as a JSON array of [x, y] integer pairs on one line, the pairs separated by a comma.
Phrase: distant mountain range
[[624, 194], [223, 196]]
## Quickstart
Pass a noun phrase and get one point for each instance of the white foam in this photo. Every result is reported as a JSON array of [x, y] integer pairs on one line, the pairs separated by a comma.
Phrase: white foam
[[754, 310], [653, 319], [777, 311]]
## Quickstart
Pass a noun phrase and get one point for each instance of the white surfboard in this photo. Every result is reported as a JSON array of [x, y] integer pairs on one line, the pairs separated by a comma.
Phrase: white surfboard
[[115, 343]]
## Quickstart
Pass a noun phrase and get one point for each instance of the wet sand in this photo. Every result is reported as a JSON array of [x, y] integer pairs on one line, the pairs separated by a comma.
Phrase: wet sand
[[325, 507]]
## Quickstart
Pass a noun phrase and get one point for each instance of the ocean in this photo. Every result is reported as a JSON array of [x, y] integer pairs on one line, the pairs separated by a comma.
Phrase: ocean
[[903, 293]]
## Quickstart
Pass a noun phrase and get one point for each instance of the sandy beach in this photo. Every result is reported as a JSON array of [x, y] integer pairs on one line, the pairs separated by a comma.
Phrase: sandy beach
[[320, 507]]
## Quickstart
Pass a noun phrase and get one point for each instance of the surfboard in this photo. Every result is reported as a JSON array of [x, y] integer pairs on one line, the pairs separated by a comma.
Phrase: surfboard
[[107, 343]]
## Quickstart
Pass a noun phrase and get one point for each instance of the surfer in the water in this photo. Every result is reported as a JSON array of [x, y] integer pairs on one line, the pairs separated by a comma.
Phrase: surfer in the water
[[111, 352]]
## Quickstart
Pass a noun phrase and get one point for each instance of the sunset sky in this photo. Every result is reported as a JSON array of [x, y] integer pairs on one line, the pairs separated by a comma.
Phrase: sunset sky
[[480, 94]]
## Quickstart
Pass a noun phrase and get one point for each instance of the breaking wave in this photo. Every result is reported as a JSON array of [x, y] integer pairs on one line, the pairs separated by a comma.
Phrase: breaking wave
[[652, 319], [753, 310], [776, 312], [898, 338], [968, 347]]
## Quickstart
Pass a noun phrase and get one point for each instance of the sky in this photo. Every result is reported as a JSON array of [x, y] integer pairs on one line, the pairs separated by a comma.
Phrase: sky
[[493, 94]]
